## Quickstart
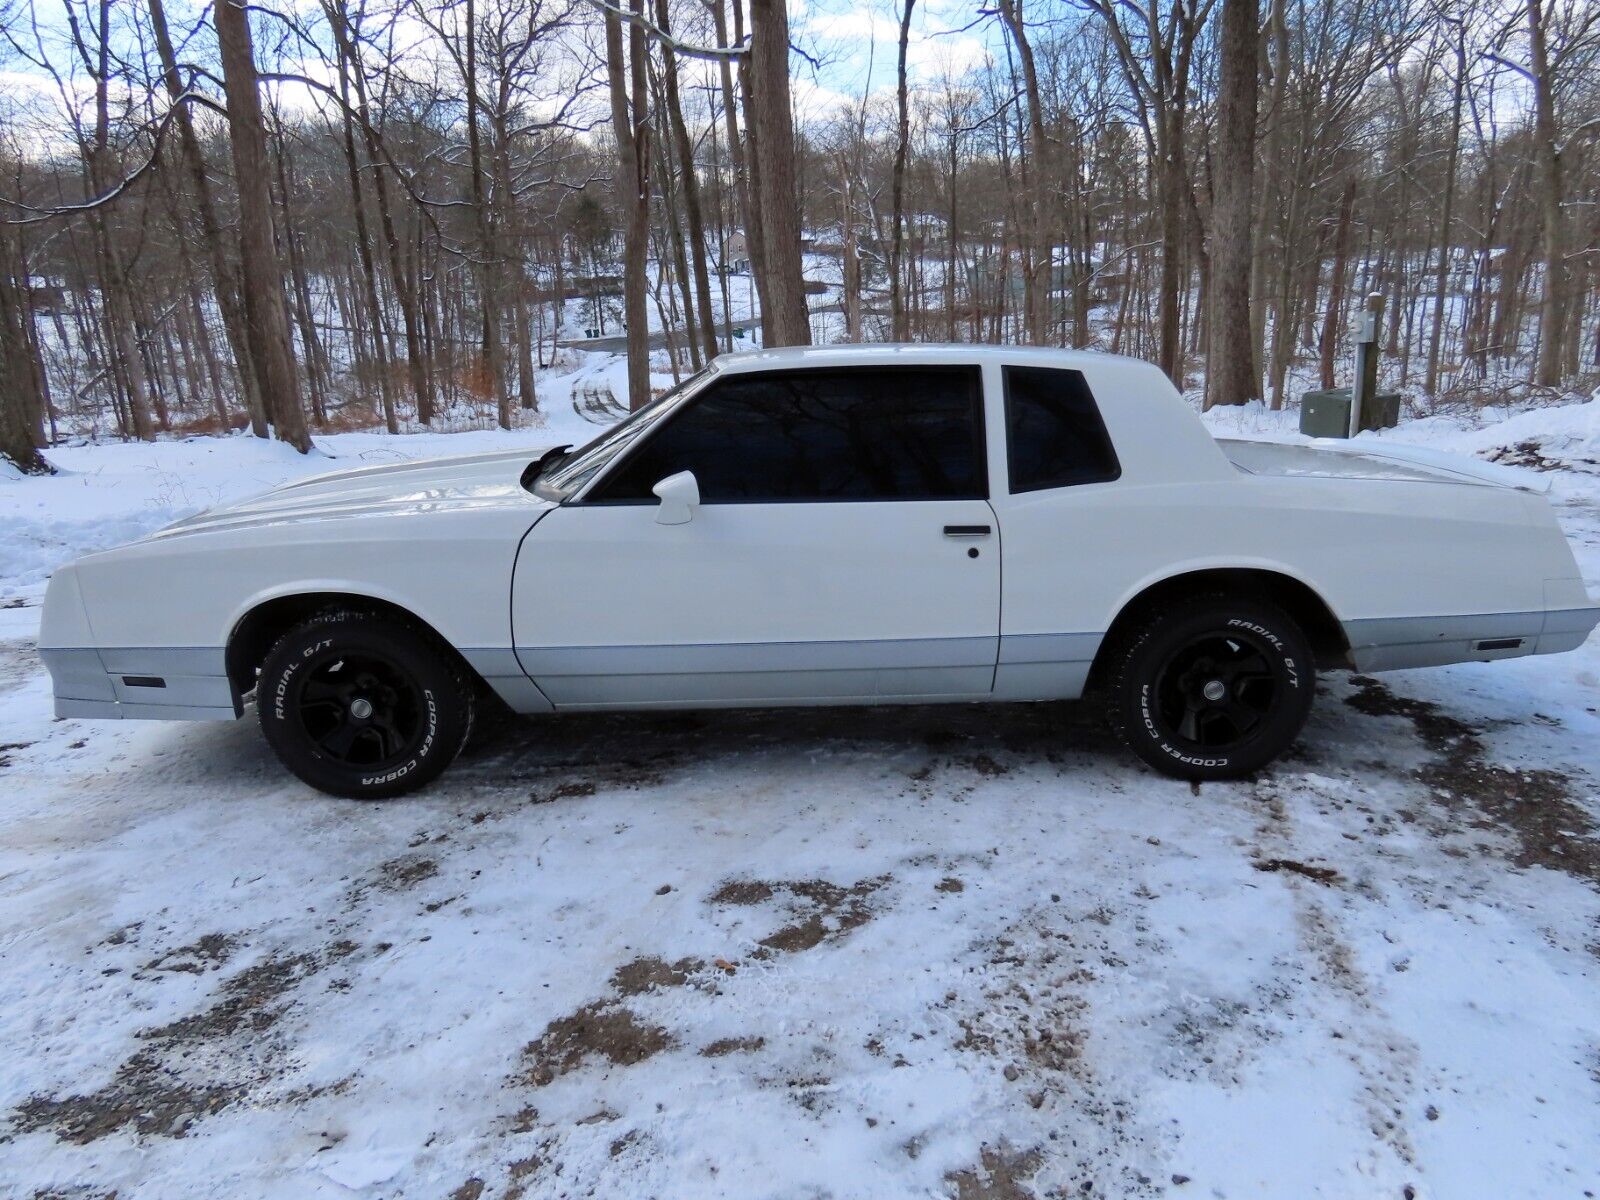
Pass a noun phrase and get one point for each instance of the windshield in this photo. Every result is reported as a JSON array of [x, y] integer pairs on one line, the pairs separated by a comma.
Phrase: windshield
[[568, 474]]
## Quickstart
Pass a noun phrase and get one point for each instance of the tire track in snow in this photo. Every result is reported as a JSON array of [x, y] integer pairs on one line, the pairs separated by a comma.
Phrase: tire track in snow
[[1385, 1059]]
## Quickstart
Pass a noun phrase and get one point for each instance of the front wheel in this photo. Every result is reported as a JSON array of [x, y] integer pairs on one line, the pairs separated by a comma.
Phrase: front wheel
[[1213, 687], [363, 705]]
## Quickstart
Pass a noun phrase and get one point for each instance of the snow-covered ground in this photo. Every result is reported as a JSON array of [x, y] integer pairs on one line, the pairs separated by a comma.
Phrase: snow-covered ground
[[968, 952]]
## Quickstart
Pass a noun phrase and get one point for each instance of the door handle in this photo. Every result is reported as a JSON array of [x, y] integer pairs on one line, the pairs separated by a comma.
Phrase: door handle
[[966, 531]]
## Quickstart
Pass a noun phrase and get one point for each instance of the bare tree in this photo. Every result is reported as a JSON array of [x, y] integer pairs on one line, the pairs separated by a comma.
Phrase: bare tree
[[631, 127], [20, 401], [1231, 376], [265, 312], [902, 143], [788, 323]]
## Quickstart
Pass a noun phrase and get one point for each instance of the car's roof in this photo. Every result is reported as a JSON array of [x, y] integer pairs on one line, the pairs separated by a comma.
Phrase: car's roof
[[891, 353], [1159, 438]]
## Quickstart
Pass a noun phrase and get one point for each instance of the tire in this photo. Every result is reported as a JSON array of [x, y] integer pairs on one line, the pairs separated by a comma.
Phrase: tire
[[362, 705], [1214, 687]]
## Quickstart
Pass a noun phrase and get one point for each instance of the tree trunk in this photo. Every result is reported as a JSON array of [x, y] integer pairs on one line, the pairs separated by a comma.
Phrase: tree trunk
[[1328, 342], [692, 213], [630, 124], [899, 325], [265, 312], [1278, 24], [19, 379], [416, 366], [745, 167], [1430, 382], [227, 281], [1552, 307], [488, 242], [369, 272], [1231, 376], [788, 324], [302, 314], [851, 258], [1039, 268]]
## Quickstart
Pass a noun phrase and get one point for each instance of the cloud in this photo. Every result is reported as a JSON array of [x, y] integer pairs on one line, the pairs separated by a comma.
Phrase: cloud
[[857, 45]]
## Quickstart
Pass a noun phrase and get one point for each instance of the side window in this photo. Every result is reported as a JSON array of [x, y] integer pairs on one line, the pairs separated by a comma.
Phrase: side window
[[860, 434], [1054, 432]]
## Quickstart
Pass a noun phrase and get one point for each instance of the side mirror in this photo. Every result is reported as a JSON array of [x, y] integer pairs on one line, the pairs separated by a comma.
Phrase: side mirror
[[679, 494]]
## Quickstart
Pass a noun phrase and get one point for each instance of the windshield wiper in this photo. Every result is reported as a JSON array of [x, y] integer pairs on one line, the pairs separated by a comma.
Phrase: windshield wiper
[[552, 456]]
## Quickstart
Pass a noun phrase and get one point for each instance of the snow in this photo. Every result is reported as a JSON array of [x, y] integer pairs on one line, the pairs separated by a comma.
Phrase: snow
[[902, 952]]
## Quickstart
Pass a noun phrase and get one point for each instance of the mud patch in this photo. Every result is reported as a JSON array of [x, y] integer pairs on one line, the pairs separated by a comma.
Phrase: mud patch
[[599, 1030], [1325, 875], [739, 1045], [1026, 1010], [1531, 454], [1537, 807], [190, 1068], [398, 874], [18, 663], [648, 974], [138, 1096], [519, 1177], [576, 789], [984, 765], [822, 911], [742, 891], [1439, 731], [249, 1001], [1001, 1174], [203, 954]]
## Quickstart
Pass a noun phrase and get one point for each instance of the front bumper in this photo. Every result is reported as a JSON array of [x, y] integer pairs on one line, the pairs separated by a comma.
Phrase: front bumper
[[182, 683]]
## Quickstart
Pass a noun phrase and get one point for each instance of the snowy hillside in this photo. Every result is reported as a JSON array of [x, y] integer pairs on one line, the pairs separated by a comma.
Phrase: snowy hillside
[[969, 952]]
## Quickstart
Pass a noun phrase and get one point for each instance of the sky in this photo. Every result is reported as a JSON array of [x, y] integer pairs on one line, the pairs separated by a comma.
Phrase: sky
[[856, 43], [848, 49]]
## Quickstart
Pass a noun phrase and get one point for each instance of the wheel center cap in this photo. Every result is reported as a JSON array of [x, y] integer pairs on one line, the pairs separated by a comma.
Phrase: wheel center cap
[[1213, 691], [361, 708]]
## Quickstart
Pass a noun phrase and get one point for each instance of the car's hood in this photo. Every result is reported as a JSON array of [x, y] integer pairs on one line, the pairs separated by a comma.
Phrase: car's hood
[[431, 485]]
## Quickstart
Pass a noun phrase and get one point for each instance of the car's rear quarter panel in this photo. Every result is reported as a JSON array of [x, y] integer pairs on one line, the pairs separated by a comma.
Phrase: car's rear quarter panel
[[1393, 559]]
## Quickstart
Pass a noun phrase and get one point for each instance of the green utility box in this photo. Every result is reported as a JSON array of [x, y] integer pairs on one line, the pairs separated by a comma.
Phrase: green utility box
[[1327, 413]]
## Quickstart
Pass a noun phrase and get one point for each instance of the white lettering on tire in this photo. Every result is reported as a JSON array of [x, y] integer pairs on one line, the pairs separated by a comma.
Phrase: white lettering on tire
[[422, 751]]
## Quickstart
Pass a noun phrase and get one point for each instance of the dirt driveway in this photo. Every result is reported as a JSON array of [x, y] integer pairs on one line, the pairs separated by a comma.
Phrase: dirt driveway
[[913, 952]]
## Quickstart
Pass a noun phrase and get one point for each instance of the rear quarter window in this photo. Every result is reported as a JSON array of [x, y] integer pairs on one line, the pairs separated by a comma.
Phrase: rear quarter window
[[1055, 436]]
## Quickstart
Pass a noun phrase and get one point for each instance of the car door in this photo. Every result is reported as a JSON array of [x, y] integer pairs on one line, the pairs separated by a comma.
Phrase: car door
[[843, 549]]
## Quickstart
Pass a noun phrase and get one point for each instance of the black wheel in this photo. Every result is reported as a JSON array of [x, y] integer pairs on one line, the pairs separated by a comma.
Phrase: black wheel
[[1213, 687], [362, 705]]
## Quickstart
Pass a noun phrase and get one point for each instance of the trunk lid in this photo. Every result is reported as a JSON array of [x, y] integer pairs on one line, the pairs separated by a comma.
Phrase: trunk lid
[[1329, 458]]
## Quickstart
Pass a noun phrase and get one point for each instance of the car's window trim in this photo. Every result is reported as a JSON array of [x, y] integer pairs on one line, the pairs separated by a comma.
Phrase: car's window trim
[[974, 372], [1094, 404], [678, 396]]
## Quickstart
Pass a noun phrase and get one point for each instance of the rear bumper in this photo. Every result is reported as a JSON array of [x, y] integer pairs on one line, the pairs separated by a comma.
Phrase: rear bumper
[[1398, 643], [172, 683]]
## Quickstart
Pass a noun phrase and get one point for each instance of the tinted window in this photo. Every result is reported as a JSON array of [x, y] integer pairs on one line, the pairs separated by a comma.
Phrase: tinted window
[[1055, 432], [580, 466], [861, 434]]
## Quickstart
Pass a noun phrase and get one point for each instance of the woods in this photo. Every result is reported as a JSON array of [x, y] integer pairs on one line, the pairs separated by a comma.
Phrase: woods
[[399, 213]]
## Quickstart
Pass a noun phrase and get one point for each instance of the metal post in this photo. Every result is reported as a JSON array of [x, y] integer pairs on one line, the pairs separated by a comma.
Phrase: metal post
[[1366, 339]]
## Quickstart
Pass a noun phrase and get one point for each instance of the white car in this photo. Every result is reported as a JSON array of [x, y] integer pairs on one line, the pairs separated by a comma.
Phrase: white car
[[840, 525]]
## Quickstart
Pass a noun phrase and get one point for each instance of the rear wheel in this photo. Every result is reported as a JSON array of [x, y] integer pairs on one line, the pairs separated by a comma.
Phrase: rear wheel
[[362, 705], [1213, 687]]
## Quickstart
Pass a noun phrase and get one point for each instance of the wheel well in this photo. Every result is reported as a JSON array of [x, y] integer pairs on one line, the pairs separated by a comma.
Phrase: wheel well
[[1308, 609], [260, 628]]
